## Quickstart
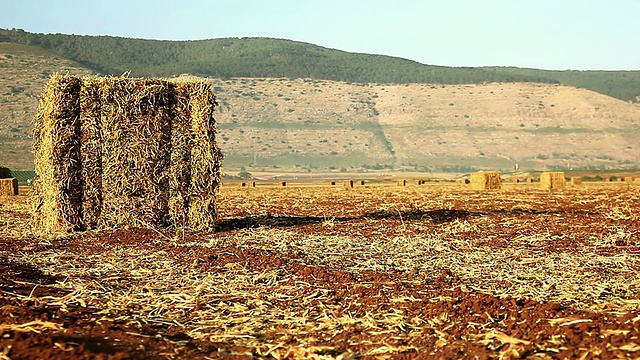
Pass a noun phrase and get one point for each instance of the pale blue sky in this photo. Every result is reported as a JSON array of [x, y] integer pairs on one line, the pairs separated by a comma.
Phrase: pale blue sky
[[545, 34]]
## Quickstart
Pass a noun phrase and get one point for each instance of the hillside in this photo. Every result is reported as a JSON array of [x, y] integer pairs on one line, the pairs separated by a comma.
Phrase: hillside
[[24, 70], [275, 58], [247, 57], [310, 125]]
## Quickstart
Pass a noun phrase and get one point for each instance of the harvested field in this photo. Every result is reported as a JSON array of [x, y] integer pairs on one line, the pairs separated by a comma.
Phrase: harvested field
[[321, 272]]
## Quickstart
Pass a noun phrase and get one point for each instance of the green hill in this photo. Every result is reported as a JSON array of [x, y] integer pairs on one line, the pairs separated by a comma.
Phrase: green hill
[[266, 57], [250, 57]]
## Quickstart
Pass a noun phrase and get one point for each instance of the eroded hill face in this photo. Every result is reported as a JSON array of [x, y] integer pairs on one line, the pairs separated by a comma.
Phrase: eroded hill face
[[325, 125], [424, 125]]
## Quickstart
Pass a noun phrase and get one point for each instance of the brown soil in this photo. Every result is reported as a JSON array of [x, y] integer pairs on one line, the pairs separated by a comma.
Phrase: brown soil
[[386, 310]]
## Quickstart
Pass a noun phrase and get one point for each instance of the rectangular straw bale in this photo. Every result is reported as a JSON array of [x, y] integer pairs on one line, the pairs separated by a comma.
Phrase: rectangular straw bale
[[206, 157], [136, 123], [180, 165], [576, 180], [552, 180], [488, 180], [9, 187], [121, 152], [91, 150], [56, 145]]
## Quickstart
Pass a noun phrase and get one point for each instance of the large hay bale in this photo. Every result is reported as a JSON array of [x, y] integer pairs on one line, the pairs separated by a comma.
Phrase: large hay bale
[[487, 180], [552, 180], [120, 152], [8, 187], [206, 157], [136, 133], [56, 143], [576, 180]]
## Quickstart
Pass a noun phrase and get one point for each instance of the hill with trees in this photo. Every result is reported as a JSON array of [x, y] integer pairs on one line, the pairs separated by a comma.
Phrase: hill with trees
[[279, 58], [293, 122]]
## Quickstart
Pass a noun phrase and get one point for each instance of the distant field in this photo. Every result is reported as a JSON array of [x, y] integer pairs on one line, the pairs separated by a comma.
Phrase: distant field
[[325, 272]]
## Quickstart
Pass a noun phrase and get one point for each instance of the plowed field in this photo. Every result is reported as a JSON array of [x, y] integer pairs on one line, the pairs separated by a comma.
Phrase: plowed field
[[431, 271]]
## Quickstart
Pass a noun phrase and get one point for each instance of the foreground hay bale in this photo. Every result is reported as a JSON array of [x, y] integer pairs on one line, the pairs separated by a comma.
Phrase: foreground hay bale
[[488, 180], [576, 180], [121, 152], [9, 187], [552, 180]]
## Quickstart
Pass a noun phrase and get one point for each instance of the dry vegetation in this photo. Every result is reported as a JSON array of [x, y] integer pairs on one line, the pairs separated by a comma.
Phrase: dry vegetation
[[325, 272]]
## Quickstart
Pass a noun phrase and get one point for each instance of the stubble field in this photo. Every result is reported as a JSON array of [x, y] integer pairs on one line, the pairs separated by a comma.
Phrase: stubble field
[[431, 271]]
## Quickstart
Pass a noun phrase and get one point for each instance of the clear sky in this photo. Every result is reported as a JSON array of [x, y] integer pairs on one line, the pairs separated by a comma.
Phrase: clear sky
[[543, 34]]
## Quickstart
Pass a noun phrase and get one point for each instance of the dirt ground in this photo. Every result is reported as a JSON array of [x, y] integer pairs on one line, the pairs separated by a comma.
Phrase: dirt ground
[[431, 271]]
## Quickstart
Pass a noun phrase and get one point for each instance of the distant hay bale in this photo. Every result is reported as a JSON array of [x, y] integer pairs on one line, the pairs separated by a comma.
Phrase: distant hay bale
[[244, 184], [252, 184], [576, 180], [529, 180], [123, 152], [333, 183], [552, 180], [284, 183], [463, 181], [417, 182], [606, 179], [362, 182], [348, 184], [516, 180], [628, 179], [488, 180], [8, 187], [402, 183]]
